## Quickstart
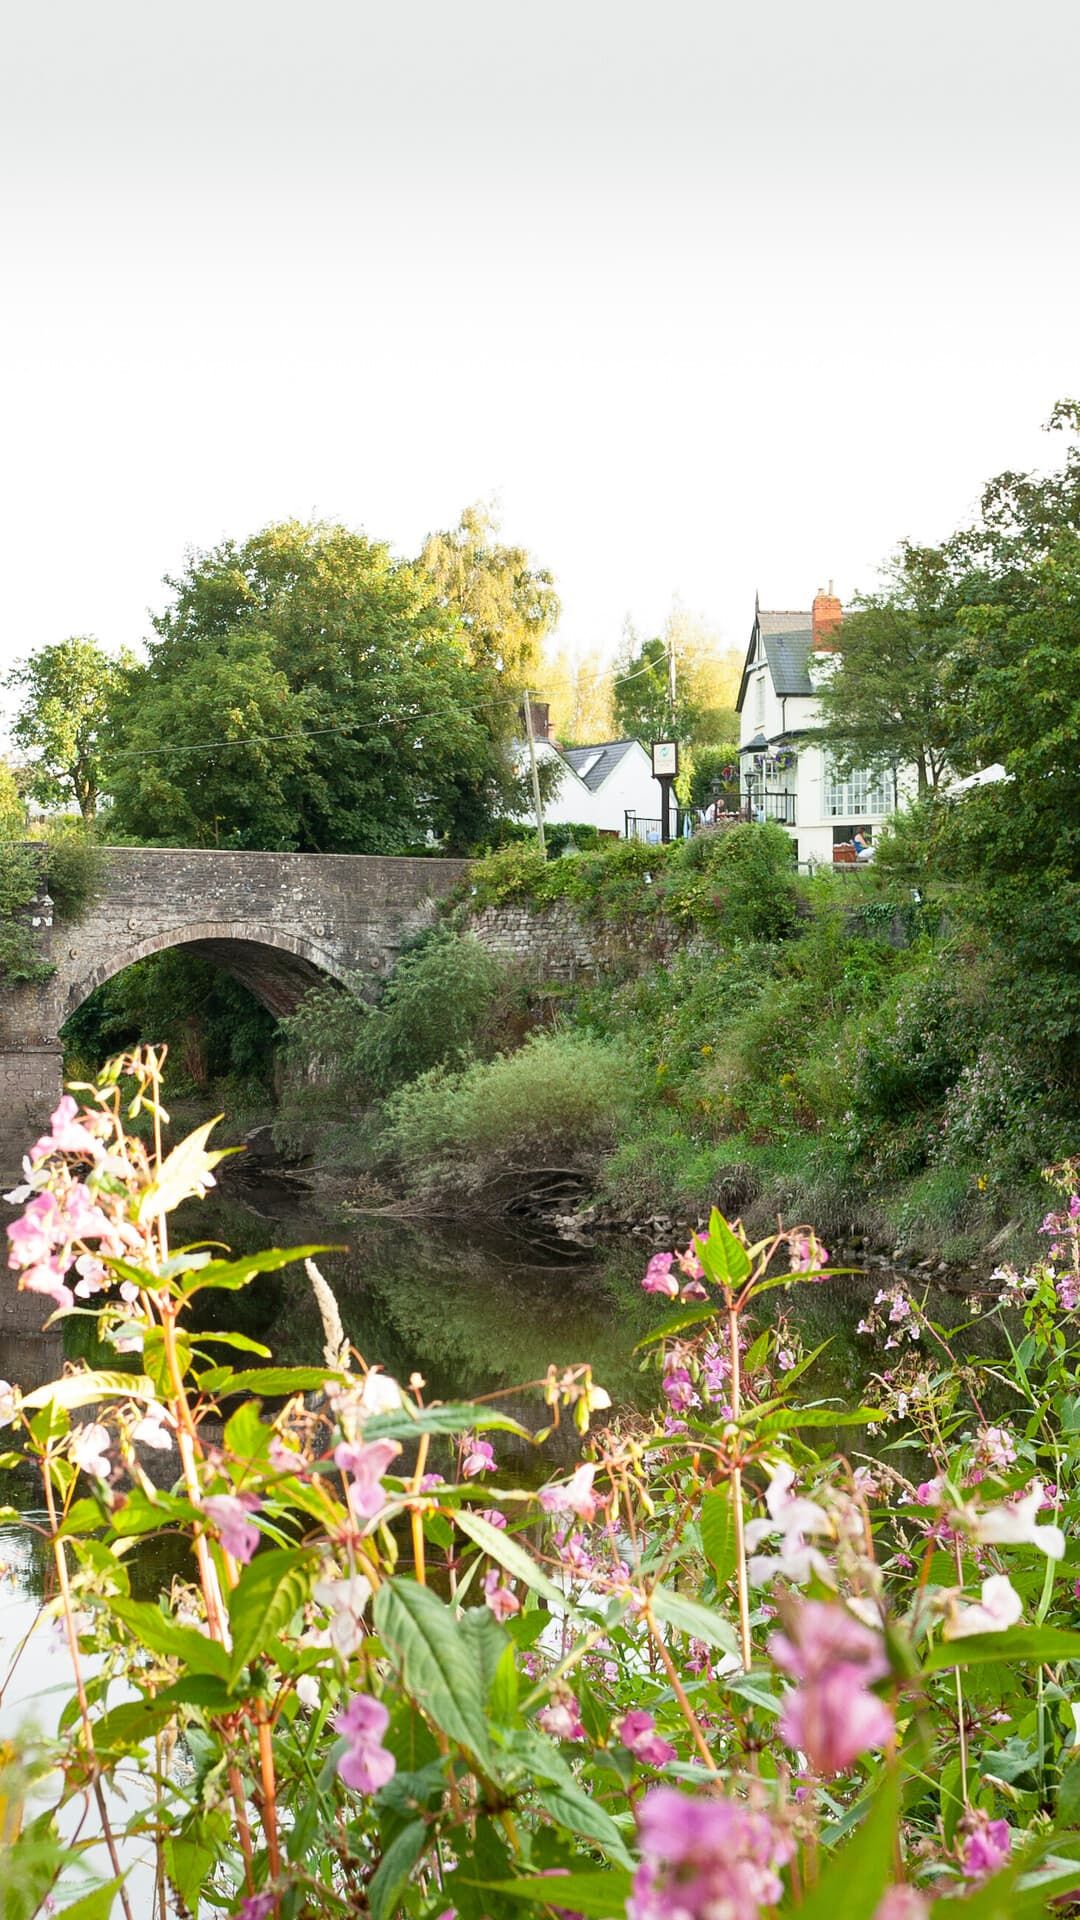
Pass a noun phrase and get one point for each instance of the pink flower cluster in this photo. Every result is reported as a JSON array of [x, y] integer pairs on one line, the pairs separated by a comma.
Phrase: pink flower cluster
[[637, 1731], [62, 1216], [659, 1277], [366, 1764], [366, 1463], [231, 1515], [702, 1858], [831, 1715]]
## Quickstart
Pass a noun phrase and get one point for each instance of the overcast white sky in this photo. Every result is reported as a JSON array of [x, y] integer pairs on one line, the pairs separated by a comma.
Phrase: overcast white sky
[[709, 296]]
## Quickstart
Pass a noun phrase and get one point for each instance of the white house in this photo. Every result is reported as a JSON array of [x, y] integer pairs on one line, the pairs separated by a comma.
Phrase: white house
[[782, 775], [597, 786]]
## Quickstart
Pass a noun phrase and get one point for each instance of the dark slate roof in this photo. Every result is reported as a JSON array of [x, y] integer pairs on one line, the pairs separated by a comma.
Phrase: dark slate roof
[[786, 637], [610, 752], [787, 655]]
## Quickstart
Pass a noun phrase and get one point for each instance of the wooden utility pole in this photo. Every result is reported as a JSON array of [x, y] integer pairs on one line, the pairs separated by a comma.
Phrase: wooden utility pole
[[535, 774]]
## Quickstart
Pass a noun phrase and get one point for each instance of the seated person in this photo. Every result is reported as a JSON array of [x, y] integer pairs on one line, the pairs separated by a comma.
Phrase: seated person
[[863, 849]]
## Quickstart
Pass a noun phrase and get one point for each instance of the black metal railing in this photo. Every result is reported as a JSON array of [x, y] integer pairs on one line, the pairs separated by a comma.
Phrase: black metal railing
[[771, 806], [639, 826]]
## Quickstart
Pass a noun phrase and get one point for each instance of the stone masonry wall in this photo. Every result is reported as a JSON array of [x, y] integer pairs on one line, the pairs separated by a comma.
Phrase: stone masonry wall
[[279, 922]]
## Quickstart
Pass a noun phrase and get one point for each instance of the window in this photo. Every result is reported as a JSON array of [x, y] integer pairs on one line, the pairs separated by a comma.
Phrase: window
[[759, 699], [862, 792]]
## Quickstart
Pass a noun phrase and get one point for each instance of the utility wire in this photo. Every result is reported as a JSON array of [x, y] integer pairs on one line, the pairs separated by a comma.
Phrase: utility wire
[[316, 733]]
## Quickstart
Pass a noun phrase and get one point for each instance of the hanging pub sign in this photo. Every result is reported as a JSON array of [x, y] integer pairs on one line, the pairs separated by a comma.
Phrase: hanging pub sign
[[665, 759]]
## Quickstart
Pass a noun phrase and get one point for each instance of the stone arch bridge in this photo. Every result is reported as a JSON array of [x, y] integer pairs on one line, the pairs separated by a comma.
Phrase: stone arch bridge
[[278, 922]]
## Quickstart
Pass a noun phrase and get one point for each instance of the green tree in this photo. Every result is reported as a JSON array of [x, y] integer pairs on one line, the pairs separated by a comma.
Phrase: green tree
[[305, 690], [883, 700], [12, 805], [505, 603], [66, 690], [705, 685]]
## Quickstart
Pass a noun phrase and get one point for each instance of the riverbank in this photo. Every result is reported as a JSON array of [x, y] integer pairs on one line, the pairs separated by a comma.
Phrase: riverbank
[[835, 1053]]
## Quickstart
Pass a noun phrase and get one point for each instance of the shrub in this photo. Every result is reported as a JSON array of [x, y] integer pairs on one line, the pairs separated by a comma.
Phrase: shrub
[[74, 866], [561, 1097]]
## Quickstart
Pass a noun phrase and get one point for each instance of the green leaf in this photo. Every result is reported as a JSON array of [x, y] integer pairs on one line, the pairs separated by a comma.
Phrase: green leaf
[[790, 1419], [678, 1322], [504, 1548], [96, 1905], [1068, 1796], [723, 1256], [690, 1617], [271, 1588], [393, 1870], [1014, 1645], [278, 1382], [859, 1869], [457, 1417], [81, 1389], [229, 1275], [572, 1807], [599, 1896], [181, 1174], [164, 1636], [718, 1533], [238, 1340], [436, 1664]]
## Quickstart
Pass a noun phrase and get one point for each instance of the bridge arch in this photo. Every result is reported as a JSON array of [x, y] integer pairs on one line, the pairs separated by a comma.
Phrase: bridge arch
[[277, 967]]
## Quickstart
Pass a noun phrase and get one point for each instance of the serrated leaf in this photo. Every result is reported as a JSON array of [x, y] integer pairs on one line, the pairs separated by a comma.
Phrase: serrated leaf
[[161, 1634], [1016, 1644], [435, 1663], [455, 1417], [859, 1868], [277, 1382], [393, 1870], [271, 1588], [722, 1255], [502, 1546], [718, 1533], [82, 1389], [692, 1618], [229, 1275], [599, 1896], [582, 1814]]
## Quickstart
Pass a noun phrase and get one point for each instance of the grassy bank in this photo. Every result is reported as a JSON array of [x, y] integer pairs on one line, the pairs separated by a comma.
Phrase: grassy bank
[[828, 1049]]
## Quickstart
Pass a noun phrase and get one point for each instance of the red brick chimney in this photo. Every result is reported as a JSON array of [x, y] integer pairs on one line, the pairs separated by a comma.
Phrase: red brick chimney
[[826, 619]]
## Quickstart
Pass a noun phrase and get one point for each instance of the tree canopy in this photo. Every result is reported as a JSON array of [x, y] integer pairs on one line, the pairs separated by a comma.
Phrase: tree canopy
[[66, 690], [305, 690], [504, 602]]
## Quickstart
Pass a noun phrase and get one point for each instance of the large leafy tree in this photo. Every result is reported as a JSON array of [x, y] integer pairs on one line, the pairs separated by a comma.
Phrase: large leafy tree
[[505, 603], [307, 691], [706, 679], [65, 692]]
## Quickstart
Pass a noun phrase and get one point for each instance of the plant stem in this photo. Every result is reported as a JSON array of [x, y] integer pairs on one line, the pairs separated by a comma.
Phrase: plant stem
[[742, 1580], [680, 1693], [60, 1559]]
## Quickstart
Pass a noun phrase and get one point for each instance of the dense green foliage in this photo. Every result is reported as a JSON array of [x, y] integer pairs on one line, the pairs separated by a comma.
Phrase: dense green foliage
[[60, 860], [67, 692], [558, 1098], [220, 1038], [344, 677]]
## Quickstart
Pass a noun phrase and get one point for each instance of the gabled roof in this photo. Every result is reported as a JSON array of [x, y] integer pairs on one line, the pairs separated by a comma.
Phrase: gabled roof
[[593, 764], [786, 637]]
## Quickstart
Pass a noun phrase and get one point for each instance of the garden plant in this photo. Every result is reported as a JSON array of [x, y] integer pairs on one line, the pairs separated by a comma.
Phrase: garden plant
[[699, 1670]]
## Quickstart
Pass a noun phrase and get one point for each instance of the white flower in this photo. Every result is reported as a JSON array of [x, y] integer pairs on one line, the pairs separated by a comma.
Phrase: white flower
[[308, 1692], [793, 1517], [1001, 1607], [9, 1403], [1015, 1526], [90, 1450], [151, 1430], [381, 1394], [345, 1600]]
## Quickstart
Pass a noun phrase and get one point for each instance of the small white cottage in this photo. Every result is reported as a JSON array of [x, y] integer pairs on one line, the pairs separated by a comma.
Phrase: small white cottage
[[784, 776], [609, 785]]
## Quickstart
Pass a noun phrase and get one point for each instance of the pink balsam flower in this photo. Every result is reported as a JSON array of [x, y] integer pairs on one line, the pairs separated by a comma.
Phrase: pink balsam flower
[[637, 1731], [366, 1462], [229, 1513], [831, 1715], [366, 1764], [574, 1496], [479, 1457], [705, 1858], [499, 1598]]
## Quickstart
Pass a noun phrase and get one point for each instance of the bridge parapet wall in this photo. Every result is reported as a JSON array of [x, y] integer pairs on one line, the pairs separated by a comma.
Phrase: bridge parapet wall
[[279, 922]]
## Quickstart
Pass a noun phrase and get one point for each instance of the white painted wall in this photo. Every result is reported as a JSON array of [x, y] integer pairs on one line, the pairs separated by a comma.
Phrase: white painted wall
[[629, 787]]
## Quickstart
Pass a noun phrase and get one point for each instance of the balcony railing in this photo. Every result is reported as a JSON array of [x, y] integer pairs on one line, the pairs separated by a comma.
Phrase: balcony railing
[[771, 806], [638, 826]]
